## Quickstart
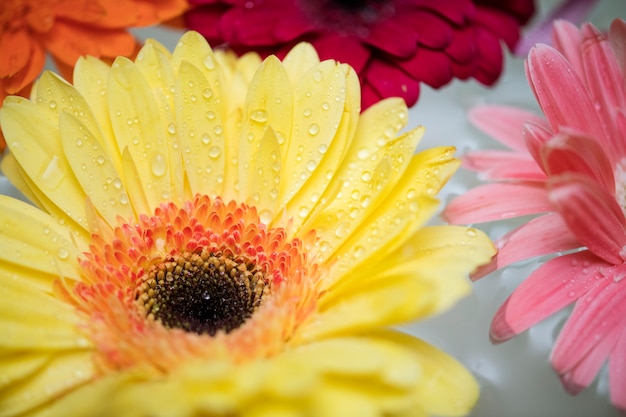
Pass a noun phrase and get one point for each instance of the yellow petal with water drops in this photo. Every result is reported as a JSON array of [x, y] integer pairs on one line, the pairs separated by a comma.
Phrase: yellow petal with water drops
[[201, 132], [299, 60], [42, 161], [322, 187], [193, 48], [64, 373], [84, 153], [317, 93], [265, 176], [450, 388], [365, 185], [366, 305], [138, 128], [243, 70], [36, 241], [153, 63], [90, 78], [269, 104]]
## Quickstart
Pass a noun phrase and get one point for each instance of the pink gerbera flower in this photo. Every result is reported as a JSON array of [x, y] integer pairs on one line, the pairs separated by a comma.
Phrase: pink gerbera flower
[[393, 45], [571, 169]]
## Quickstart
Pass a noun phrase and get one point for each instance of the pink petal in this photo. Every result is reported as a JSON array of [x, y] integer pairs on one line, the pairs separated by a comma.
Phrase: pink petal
[[540, 236], [503, 123], [568, 39], [585, 371], [617, 39], [561, 94], [535, 136], [591, 213], [569, 151], [503, 165], [491, 202], [617, 372], [598, 314], [550, 288]]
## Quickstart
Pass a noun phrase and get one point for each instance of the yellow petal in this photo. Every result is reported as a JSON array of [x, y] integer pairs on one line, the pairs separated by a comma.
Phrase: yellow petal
[[64, 373], [42, 160], [35, 241], [269, 104], [201, 132], [299, 60], [265, 176], [84, 153]]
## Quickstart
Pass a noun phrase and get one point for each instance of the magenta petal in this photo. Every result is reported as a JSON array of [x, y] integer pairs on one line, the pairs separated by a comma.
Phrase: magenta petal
[[392, 37], [346, 50], [205, 20], [573, 152], [617, 371], [490, 57], [462, 48], [503, 165], [501, 24], [491, 202], [551, 287], [390, 81], [591, 213], [598, 315], [428, 66], [503, 123], [432, 31], [457, 11], [561, 94]]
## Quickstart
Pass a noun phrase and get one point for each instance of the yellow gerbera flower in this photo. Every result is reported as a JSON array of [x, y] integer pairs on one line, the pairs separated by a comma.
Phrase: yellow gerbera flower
[[223, 237]]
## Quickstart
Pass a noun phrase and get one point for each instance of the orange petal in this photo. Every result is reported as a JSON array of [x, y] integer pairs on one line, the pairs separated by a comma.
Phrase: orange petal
[[67, 42], [16, 49], [20, 82]]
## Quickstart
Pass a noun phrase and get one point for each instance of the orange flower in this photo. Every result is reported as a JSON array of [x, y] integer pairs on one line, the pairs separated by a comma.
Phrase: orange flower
[[68, 29]]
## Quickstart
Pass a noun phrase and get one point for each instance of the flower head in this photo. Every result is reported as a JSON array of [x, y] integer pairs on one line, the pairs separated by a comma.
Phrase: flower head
[[224, 237], [393, 45], [68, 30], [570, 169]]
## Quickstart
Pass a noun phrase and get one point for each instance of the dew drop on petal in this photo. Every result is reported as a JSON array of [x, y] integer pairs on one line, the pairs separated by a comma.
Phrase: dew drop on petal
[[471, 232], [158, 165], [259, 116], [52, 104], [62, 253], [314, 129], [171, 128], [215, 152]]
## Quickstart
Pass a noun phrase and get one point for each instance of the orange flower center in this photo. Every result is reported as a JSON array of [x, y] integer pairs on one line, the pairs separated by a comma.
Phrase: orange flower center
[[205, 280]]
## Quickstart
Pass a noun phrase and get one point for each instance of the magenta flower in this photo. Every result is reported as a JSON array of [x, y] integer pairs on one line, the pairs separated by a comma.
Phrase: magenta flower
[[394, 45], [570, 169]]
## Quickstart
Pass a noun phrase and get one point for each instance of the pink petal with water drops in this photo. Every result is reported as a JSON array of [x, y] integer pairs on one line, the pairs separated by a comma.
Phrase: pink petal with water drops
[[617, 372], [496, 202], [540, 236], [596, 316], [591, 213], [551, 287], [569, 151], [505, 124], [561, 93]]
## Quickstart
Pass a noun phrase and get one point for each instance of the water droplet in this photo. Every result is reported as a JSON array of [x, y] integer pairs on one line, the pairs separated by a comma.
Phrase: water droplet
[[158, 165], [314, 129], [307, 112], [325, 106], [322, 149], [366, 176], [215, 152], [100, 159], [53, 104], [171, 128], [311, 165], [303, 212], [318, 76], [259, 116], [363, 153], [218, 130], [265, 216], [471, 232], [208, 62], [79, 142], [123, 199], [342, 229], [206, 295], [62, 253]]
